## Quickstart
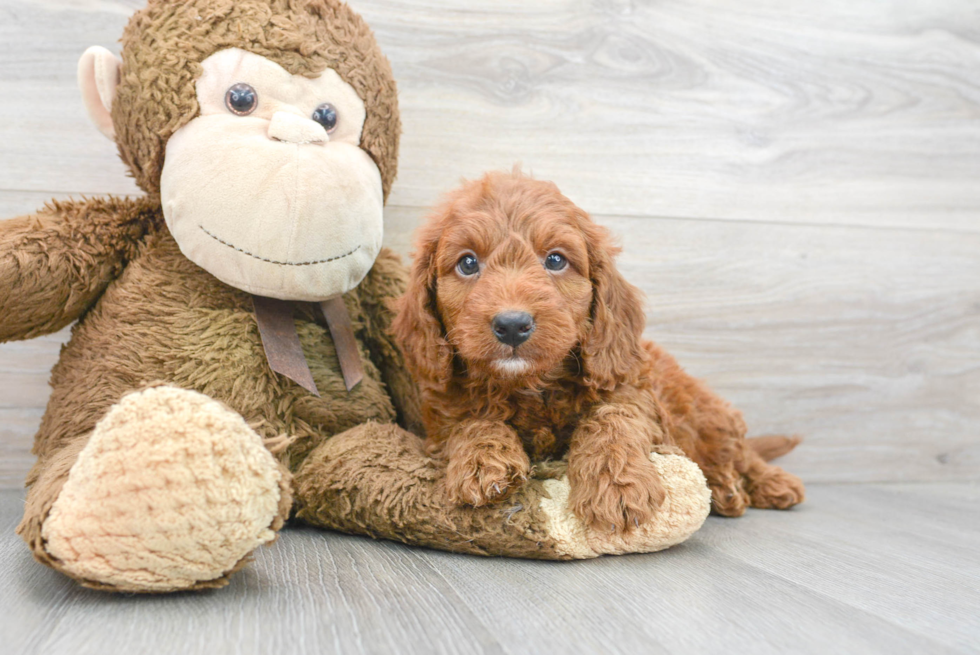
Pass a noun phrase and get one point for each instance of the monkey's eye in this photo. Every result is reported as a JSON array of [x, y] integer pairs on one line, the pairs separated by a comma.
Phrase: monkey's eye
[[241, 99], [555, 261], [468, 265], [326, 115]]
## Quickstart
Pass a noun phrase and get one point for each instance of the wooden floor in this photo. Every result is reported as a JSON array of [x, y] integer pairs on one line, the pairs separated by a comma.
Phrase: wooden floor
[[872, 568], [796, 187]]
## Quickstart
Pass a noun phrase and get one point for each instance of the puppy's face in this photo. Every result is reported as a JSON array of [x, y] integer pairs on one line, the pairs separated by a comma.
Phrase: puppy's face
[[513, 286]]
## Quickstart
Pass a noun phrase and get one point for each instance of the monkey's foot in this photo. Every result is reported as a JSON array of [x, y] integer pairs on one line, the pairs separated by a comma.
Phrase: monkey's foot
[[173, 491]]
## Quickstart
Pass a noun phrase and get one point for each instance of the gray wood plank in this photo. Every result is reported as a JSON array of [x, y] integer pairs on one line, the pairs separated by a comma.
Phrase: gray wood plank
[[785, 112], [863, 341], [300, 596], [47, 143], [766, 583], [24, 371], [753, 110], [17, 428], [845, 572], [852, 545]]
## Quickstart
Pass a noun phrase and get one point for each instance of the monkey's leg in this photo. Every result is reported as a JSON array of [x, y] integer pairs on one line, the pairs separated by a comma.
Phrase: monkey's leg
[[375, 479], [170, 491]]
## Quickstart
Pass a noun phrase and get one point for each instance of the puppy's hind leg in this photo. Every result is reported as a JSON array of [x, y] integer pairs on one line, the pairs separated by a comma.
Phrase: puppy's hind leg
[[768, 486], [716, 448], [728, 497]]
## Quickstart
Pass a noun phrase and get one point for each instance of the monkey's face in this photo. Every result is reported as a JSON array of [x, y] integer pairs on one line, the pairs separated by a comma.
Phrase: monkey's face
[[268, 189]]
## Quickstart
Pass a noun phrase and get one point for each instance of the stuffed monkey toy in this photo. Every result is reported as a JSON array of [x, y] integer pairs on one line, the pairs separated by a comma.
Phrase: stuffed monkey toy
[[231, 366]]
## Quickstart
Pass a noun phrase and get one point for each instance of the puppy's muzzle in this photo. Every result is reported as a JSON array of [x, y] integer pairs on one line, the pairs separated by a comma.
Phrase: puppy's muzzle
[[512, 328]]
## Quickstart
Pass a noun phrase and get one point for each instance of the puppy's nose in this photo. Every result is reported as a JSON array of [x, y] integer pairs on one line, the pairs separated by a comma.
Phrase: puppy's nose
[[513, 328]]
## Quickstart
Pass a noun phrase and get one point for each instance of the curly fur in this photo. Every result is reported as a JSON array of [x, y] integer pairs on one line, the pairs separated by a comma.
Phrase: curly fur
[[584, 385]]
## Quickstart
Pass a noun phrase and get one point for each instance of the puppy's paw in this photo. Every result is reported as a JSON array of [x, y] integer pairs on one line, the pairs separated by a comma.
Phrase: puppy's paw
[[776, 489], [728, 498], [486, 474], [617, 502]]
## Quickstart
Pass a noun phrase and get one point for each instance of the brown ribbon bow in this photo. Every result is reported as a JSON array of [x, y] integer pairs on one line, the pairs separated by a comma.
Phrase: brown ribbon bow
[[284, 352]]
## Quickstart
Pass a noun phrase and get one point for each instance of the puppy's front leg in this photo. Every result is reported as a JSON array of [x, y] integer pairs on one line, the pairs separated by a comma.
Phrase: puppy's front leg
[[614, 485], [486, 462]]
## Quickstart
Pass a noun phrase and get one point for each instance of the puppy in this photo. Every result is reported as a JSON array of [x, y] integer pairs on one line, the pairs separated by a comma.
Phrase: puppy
[[526, 340]]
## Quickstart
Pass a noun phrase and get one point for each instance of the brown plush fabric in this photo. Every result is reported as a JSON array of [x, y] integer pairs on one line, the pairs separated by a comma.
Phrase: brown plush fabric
[[57, 262], [165, 43], [166, 319], [376, 480]]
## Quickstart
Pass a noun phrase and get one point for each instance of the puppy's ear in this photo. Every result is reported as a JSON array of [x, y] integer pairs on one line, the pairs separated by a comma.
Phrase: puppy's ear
[[611, 350], [417, 328]]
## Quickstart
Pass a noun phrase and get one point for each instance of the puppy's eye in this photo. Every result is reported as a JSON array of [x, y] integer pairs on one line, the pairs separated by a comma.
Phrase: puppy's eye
[[326, 115], [555, 261], [241, 99], [468, 265]]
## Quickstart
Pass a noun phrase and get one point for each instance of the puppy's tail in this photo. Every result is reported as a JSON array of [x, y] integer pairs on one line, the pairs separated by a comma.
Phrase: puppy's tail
[[771, 446]]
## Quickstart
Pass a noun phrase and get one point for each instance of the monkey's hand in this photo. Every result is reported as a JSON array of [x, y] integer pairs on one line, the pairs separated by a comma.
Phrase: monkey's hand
[[56, 263]]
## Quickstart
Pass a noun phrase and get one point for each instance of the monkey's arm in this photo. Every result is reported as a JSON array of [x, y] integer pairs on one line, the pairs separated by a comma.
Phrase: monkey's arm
[[385, 282], [56, 263]]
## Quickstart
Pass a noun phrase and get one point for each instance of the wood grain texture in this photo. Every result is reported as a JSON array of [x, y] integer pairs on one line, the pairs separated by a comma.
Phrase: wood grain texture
[[821, 268], [799, 112], [857, 569]]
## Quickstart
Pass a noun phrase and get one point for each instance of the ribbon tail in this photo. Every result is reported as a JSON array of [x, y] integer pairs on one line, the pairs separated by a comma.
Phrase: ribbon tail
[[338, 320], [281, 343]]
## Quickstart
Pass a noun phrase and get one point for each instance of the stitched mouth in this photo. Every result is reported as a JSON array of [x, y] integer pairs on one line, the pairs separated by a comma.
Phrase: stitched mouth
[[273, 261]]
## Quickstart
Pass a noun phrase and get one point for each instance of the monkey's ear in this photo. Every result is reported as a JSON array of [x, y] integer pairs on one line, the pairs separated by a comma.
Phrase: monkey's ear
[[98, 75]]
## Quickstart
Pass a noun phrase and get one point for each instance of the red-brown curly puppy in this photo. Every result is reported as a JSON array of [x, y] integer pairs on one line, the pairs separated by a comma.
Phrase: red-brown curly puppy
[[524, 338]]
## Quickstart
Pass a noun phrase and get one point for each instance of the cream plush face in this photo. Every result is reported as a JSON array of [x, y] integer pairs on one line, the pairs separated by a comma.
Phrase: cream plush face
[[270, 202]]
